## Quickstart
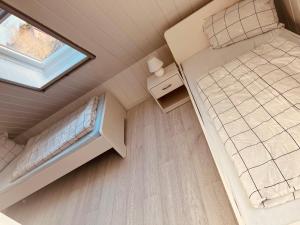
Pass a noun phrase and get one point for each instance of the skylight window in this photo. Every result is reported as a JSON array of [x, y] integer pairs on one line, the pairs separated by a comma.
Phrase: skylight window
[[32, 58]]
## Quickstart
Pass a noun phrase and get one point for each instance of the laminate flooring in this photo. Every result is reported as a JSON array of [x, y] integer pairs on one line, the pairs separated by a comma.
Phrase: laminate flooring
[[168, 178]]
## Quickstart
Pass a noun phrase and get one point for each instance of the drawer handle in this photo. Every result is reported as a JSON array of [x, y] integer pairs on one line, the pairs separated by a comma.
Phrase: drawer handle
[[165, 88]]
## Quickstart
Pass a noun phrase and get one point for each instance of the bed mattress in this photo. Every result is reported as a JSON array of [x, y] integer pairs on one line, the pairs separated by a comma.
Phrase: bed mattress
[[6, 175], [199, 65], [253, 101]]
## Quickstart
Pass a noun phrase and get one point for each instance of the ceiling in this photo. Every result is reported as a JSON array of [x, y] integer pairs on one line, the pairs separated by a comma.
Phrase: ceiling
[[118, 32]]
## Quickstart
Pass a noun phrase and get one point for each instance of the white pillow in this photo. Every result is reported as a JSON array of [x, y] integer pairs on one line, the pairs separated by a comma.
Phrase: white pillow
[[8, 150], [243, 20]]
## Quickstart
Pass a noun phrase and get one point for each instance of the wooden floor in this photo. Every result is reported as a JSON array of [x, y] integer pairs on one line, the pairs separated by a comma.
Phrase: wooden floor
[[168, 178]]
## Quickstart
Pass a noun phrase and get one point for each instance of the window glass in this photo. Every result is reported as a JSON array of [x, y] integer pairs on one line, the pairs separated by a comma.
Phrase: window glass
[[20, 36]]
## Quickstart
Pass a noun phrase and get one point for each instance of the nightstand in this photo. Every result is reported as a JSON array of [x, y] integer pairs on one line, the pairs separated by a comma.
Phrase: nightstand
[[168, 90]]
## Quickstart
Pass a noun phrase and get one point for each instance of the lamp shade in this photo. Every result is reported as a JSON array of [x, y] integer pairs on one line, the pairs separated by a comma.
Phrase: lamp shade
[[154, 64]]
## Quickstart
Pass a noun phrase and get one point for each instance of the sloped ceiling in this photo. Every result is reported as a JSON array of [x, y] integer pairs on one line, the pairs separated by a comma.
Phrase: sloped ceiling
[[118, 32]]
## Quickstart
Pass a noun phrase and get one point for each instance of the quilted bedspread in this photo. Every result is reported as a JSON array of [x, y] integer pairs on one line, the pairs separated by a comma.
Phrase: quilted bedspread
[[56, 138], [254, 103]]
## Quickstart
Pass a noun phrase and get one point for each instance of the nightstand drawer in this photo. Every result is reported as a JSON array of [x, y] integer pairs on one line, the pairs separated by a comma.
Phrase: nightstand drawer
[[167, 86]]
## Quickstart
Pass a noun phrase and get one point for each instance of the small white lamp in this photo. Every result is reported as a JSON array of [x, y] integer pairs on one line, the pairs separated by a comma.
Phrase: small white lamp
[[155, 66]]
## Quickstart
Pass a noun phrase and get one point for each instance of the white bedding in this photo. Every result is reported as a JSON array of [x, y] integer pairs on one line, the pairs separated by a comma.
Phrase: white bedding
[[56, 138], [253, 101], [201, 63]]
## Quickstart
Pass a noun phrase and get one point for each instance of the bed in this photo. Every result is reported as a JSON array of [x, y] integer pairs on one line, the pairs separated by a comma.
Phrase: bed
[[191, 51], [108, 132]]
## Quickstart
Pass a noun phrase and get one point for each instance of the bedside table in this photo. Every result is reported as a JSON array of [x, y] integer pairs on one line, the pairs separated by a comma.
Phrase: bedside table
[[168, 90]]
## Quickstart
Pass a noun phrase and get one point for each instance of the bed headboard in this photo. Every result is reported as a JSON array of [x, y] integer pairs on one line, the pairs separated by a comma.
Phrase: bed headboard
[[187, 38]]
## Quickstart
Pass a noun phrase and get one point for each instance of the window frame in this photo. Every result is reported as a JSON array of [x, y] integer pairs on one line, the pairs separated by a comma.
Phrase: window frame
[[30, 61], [20, 57]]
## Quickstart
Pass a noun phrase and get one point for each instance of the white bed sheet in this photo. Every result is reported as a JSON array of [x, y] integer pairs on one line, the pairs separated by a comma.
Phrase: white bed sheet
[[200, 64], [6, 174]]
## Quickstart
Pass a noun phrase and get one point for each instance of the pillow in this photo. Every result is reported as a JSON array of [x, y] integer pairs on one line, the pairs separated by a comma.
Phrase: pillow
[[8, 150], [243, 20]]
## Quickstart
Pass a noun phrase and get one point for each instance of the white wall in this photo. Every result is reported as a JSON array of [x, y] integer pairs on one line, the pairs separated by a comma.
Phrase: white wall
[[129, 86]]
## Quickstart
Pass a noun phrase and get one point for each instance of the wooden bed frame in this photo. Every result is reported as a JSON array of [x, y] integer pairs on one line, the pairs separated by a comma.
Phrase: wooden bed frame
[[112, 134], [186, 39]]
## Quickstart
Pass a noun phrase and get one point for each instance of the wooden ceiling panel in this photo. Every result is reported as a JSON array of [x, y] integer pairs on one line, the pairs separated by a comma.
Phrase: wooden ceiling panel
[[118, 32]]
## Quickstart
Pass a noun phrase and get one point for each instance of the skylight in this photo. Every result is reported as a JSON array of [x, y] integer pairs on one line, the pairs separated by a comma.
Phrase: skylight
[[32, 58]]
